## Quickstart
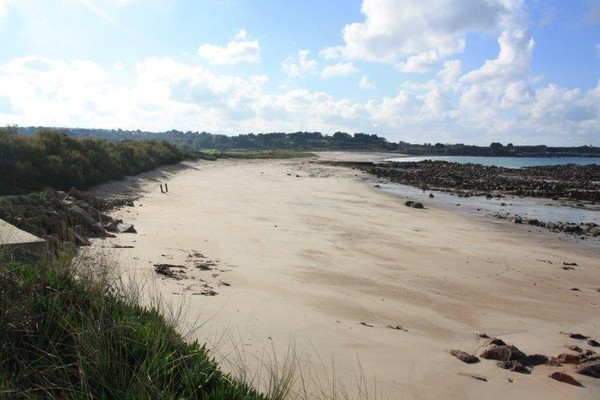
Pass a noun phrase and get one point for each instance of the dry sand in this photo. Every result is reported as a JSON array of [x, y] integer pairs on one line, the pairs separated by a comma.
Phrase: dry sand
[[310, 258]]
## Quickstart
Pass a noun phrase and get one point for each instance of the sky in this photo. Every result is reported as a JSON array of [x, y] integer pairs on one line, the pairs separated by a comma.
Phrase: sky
[[449, 71]]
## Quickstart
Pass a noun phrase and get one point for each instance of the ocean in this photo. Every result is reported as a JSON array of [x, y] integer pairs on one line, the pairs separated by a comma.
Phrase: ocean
[[507, 162]]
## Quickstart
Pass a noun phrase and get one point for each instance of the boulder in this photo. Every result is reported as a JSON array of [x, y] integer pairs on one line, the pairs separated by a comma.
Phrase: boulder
[[567, 358], [417, 205], [409, 203], [127, 229], [565, 378], [591, 368], [464, 356], [502, 353], [495, 341]]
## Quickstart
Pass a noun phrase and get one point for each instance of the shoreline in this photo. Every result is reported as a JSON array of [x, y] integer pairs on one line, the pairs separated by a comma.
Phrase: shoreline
[[311, 258]]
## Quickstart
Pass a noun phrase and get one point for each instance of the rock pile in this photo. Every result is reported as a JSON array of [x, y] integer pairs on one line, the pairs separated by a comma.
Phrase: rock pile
[[64, 217], [579, 361], [573, 182]]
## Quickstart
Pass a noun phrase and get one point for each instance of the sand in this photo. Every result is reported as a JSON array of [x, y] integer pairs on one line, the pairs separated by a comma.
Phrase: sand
[[316, 258]]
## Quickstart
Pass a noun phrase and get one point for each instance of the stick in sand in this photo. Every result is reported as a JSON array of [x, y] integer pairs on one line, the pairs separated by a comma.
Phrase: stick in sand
[[161, 189], [166, 188]]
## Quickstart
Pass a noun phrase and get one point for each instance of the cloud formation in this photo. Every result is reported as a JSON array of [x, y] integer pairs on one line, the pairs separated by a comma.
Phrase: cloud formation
[[238, 50]]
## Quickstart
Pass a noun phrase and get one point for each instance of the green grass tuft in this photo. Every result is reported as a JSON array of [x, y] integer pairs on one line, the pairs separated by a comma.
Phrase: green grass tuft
[[69, 332]]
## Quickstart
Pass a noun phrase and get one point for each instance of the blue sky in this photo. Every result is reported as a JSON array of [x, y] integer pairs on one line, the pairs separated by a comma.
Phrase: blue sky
[[470, 71]]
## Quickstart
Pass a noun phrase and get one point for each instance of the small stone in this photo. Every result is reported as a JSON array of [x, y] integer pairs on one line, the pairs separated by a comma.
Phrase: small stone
[[464, 356], [593, 343], [409, 203], [565, 378], [514, 366], [417, 205]]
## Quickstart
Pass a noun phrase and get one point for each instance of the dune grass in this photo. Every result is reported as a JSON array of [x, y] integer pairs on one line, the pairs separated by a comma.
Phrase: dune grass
[[210, 154], [69, 331]]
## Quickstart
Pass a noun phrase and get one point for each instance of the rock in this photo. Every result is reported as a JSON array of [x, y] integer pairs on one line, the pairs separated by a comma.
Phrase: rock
[[85, 219], [516, 220], [417, 205], [591, 368], [127, 229], [409, 203], [534, 222], [565, 378], [593, 343], [79, 240], [577, 336], [464, 356], [566, 358], [483, 335], [514, 366], [595, 232], [574, 347], [495, 341], [112, 226], [501, 353], [431, 196], [534, 360]]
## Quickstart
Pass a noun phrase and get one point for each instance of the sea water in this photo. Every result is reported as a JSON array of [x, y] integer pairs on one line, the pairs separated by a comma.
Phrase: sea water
[[506, 162]]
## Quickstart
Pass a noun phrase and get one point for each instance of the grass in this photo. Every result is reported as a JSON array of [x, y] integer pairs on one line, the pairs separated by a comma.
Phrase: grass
[[210, 154], [69, 331]]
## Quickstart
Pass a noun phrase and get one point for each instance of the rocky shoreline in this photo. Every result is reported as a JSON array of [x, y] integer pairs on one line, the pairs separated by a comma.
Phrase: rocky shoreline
[[573, 185], [58, 216], [580, 183]]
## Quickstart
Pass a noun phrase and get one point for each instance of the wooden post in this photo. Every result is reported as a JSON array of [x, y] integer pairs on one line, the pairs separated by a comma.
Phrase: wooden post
[[161, 189], [166, 188]]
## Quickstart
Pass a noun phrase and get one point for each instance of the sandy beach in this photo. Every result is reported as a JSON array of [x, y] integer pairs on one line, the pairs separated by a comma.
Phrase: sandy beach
[[281, 253]]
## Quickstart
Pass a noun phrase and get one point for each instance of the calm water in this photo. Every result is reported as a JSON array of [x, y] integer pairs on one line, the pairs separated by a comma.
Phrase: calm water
[[507, 162]]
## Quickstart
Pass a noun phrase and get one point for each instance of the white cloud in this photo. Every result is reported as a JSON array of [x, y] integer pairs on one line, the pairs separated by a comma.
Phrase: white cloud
[[339, 69], [331, 53], [164, 94], [394, 29], [365, 83], [297, 67], [237, 50], [420, 63]]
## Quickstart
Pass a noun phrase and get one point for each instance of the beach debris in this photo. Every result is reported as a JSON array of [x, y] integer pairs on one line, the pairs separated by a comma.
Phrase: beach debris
[[365, 324], [570, 264], [502, 353], [593, 343], [566, 268], [483, 335], [118, 246], [206, 292], [477, 377], [565, 378], [169, 271], [575, 289], [397, 328], [464, 356], [591, 368]]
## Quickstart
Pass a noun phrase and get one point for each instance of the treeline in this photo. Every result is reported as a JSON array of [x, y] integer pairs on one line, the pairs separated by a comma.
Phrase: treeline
[[497, 150], [193, 141], [53, 158]]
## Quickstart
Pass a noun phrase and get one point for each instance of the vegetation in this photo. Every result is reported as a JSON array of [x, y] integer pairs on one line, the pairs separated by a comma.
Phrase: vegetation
[[68, 331], [53, 158], [211, 154], [311, 141]]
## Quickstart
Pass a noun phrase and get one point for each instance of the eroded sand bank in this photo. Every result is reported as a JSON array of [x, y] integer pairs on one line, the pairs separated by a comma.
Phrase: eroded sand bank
[[308, 259]]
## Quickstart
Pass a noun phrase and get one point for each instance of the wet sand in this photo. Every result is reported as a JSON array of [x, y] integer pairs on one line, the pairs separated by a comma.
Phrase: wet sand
[[329, 263]]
